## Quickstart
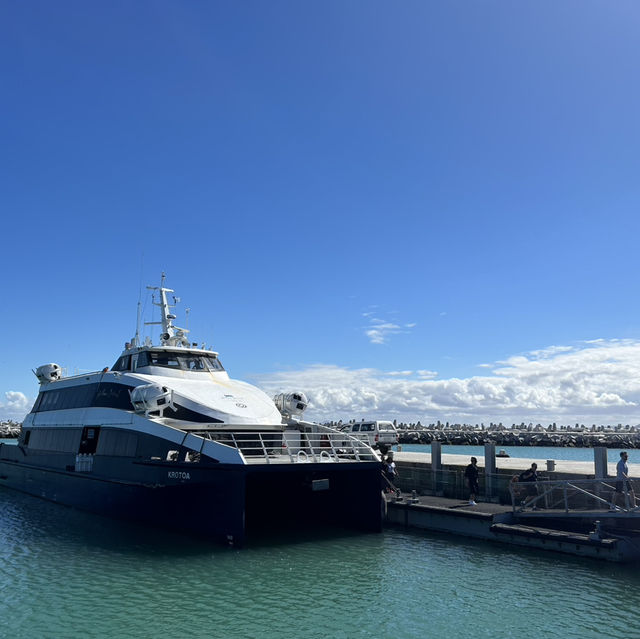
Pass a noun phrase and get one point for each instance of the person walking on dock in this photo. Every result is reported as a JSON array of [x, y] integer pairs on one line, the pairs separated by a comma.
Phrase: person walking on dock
[[530, 477], [471, 473], [531, 474], [623, 484], [390, 472]]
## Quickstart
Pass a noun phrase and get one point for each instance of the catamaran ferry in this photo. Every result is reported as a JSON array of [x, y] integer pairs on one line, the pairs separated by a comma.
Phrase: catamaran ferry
[[167, 438]]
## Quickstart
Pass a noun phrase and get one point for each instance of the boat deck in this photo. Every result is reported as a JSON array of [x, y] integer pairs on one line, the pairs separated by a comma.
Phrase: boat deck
[[293, 447]]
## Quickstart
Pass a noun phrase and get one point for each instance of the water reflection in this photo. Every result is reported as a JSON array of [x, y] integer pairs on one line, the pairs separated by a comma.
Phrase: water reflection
[[69, 574]]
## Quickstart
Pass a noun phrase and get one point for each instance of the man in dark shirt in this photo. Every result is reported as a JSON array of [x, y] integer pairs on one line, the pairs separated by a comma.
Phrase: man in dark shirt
[[530, 474], [471, 474], [530, 477]]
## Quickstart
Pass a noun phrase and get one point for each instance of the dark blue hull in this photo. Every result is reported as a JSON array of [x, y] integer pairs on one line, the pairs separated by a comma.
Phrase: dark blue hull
[[222, 502]]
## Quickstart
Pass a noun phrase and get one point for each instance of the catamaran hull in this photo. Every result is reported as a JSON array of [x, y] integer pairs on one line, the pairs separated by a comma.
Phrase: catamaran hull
[[222, 502]]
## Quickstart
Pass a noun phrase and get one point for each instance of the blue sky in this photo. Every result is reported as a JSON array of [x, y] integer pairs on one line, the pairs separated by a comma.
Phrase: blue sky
[[414, 210]]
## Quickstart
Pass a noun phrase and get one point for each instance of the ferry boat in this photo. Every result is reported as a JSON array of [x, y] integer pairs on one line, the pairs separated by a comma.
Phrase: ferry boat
[[167, 438]]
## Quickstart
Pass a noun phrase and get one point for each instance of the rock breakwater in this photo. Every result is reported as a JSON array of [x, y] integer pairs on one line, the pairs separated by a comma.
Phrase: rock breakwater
[[517, 438], [9, 429], [573, 436]]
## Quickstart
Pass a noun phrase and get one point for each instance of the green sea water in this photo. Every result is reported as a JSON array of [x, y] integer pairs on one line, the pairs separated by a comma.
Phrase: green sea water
[[65, 573]]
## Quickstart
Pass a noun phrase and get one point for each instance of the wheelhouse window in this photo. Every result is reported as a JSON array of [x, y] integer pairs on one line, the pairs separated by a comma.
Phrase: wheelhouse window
[[181, 361], [168, 360], [123, 364], [213, 363], [143, 359]]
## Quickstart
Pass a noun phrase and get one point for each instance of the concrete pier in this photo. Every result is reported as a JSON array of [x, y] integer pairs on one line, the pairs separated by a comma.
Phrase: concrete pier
[[435, 497], [496, 523]]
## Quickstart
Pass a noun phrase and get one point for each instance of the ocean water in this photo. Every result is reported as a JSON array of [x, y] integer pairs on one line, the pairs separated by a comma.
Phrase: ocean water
[[69, 574]]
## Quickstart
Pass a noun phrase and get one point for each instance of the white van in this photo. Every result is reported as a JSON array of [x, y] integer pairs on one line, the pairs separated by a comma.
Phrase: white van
[[375, 433]]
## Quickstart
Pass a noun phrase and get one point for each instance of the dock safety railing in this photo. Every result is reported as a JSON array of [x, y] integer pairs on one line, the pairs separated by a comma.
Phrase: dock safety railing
[[575, 495], [445, 482], [293, 446]]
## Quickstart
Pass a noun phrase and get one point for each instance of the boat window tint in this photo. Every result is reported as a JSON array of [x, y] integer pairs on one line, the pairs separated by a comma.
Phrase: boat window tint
[[61, 440], [169, 360], [356, 428], [123, 364], [65, 399], [214, 364], [111, 395], [36, 405], [106, 394], [47, 402], [118, 443], [192, 362], [143, 359], [44, 401]]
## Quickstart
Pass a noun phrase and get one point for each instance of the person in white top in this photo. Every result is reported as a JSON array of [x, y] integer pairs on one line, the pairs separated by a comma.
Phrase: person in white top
[[623, 484]]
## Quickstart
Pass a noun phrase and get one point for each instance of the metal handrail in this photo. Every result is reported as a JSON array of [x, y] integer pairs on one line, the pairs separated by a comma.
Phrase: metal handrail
[[320, 445], [574, 495]]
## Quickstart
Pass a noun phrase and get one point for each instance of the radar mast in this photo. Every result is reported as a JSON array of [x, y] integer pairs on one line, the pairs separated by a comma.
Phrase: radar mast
[[171, 335]]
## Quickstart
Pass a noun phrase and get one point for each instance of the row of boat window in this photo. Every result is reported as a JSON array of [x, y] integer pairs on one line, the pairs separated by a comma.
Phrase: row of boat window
[[105, 395], [74, 440], [167, 359], [60, 440]]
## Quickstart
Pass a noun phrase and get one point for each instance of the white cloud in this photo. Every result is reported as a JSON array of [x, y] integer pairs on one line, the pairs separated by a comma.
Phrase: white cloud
[[595, 382], [550, 351], [15, 407], [380, 330], [425, 374]]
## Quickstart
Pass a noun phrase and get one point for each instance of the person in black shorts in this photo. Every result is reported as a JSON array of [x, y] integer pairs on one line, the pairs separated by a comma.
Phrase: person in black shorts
[[471, 474], [529, 477]]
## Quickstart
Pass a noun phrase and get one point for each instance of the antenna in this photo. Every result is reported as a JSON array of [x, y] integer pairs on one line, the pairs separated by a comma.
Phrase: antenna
[[171, 335], [136, 339]]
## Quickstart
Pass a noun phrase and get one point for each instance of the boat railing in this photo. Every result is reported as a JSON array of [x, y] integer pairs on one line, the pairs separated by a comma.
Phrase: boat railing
[[319, 445], [574, 496]]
